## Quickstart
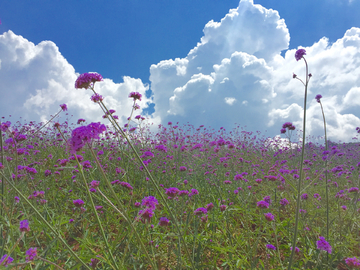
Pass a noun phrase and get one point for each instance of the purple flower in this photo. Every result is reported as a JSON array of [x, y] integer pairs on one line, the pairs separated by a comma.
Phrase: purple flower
[[5, 126], [267, 199], [17, 199], [87, 80], [318, 97], [269, 246], [96, 98], [344, 207], [209, 206], [172, 191], [146, 214], [353, 189], [269, 216], [297, 250], [351, 262], [200, 211], [284, 202], [323, 245], [78, 203], [304, 196], [84, 134], [24, 226], [135, 95], [5, 260], [263, 204], [71, 220], [94, 263], [31, 254], [80, 120], [222, 208], [150, 202], [127, 185], [63, 107], [94, 184], [283, 130], [299, 54], [182, 168], [164, 221]]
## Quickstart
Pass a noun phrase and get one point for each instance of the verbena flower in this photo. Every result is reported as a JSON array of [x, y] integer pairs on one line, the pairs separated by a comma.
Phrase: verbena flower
[[94, 263], [63, 107], [351, 262], [200, 211], [78, 203], [262, 204], [24, 226], [145, 214], [269, 246], [299, 54], [284, 202], [87, 80], [164, 222], [172, 191], [297, 250], [6, 260], [269, 216], [322, 244], [304, 196], [318, 97], [31, 254], [135, 96], [96, 98], [150, 202]]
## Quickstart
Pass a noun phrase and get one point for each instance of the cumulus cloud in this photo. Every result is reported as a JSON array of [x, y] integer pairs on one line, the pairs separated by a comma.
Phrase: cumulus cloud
[[36, 79], [236, 74]]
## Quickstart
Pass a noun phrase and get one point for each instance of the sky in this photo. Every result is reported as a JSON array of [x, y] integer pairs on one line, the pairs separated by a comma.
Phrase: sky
[[206, 62]]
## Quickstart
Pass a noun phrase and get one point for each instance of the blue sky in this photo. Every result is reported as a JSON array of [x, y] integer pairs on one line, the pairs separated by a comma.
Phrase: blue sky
[[125, 38]]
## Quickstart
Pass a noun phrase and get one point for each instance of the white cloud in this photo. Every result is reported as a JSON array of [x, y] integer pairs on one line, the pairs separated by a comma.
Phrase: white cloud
[[239, 59], [36, 79], [235, 74]]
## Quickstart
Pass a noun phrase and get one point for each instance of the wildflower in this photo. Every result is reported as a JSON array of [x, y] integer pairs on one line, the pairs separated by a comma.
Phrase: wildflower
[[200, 211], [5, 126], [137, 204], [96, 98], [78, 203], [323, 245], [5, 260], [63, 107], [263, 204], [269, 216], [284, 202], [24, 226], [182, 168], [269, 246], [127, 185], [145, 214], [302, 211], [183, 192], [353, 189], [351, 262], [135, 95], [299, 54], [193, 192], [283, 130], [94, 263], [344, 207], [71, 220], [164, 222], [304, 196], [87, 80], [79, 121], [267, 199], [222, 208], [318, 97], [209, 206], [297, 250], [172, 192], [17, 199], [31, 254], [150, 202], [204, 218]]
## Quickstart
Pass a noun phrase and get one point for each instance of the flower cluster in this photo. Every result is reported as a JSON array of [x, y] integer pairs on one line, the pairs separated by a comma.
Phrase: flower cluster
[[351, 262], [87, 80], [318, 97], [287, 125], [322, 244], [84, 134], [6, 260], [135, 96], [299, 54], [31, 254], [269, 216], [150, 203], [24, 226]]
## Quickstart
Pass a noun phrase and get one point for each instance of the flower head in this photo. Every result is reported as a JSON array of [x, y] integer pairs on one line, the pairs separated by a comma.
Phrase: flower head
[[269, 246], [63, 107], [318, 97], [78, 203], [145, 214], [150, 202], [172, 191], [299, 54], [262, 204], [269, 216], [87, 80], [24, 226], [135, 95], [164, 221], [323, 245], [351, 262], [200, 211], [31, 254], [84, 134], [5, 260]]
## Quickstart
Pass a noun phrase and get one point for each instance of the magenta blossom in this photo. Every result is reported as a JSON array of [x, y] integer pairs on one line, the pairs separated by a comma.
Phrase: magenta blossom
[[63, 107], [87, 80], [299, 54]]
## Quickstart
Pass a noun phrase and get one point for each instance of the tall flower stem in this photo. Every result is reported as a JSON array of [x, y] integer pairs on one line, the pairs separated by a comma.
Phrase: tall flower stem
[[326, 178], [301, 168]]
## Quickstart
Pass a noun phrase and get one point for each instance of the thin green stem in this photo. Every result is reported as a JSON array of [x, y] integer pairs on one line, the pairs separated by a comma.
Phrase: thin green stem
[[45, 222], [301, 172]]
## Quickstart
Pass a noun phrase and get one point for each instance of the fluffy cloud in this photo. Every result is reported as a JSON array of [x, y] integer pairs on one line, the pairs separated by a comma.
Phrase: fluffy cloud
[[36, 79], [236, 74]]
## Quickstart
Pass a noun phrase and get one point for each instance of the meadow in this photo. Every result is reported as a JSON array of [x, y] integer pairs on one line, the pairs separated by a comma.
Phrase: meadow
[[90, 196]]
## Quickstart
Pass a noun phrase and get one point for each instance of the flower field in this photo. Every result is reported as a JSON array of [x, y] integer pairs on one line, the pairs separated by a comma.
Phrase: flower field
[[91, 196]]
